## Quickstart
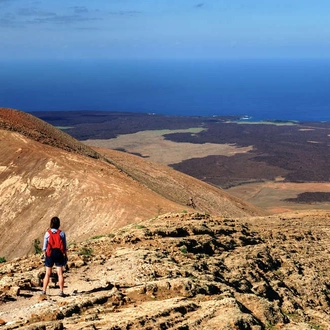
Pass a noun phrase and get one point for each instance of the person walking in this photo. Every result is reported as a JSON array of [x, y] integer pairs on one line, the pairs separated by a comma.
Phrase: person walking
[[54, 246]]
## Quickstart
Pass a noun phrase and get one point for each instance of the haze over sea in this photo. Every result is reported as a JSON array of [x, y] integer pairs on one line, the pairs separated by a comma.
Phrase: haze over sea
[[261, 89]]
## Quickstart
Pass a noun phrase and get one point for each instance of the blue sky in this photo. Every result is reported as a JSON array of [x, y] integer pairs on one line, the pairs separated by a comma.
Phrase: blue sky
[[164, 29]]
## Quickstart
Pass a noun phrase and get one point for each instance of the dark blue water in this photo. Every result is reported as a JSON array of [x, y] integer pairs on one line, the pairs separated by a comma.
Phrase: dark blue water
[[266, 89]]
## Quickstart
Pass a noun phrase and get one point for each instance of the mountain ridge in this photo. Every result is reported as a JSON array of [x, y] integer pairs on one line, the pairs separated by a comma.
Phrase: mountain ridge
[[40, 131]]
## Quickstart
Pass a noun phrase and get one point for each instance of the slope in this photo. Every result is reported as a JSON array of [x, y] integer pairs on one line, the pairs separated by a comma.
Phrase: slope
[[179, 187], [90, 195]]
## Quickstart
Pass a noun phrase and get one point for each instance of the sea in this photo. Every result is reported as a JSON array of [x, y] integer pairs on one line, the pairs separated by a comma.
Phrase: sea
[[279, 89]]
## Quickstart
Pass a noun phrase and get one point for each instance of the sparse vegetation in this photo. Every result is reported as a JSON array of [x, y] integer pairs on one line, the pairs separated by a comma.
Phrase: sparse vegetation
[[2, 260], [293, 317], [85, 251], [36, 246], [97, 236], [122, 231], [183, 249]]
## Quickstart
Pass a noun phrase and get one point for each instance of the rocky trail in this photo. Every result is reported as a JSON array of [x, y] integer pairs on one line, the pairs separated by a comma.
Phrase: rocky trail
[[182, 271]]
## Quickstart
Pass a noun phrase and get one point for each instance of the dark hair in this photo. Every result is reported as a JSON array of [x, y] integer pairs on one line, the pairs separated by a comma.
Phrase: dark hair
[[55, 223]]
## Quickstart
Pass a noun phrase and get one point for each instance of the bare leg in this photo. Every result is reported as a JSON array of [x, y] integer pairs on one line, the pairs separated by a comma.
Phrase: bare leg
[[46, 278], [60, 277]]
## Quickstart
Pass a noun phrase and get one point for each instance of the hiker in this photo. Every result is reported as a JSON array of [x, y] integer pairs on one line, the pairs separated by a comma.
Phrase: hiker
[[191, 203], [55, 253]]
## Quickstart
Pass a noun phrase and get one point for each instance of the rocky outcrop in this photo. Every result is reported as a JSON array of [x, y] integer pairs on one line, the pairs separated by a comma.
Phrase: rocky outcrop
[[182, 271]]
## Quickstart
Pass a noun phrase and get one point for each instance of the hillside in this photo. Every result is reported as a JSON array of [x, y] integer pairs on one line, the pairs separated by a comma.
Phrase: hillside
[[179, 187], [44, 172], [183, 271]]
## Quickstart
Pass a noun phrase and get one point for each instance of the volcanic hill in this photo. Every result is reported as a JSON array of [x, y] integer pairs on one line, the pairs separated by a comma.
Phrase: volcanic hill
[[45, 172]]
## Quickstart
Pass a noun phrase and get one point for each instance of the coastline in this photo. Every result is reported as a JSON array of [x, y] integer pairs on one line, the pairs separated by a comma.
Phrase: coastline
[[261, 89]]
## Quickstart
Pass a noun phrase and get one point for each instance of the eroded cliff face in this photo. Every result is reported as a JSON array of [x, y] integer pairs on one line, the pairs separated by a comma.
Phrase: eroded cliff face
[[183, 271]]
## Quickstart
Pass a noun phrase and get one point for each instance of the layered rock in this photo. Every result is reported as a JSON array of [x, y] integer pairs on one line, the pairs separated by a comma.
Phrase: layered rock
[[183, 271]]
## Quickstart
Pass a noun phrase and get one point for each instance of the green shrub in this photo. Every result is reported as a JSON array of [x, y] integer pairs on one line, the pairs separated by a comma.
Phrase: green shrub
[[2, 259], [36, 246], [85, 251], [97, 236], [184, 249]]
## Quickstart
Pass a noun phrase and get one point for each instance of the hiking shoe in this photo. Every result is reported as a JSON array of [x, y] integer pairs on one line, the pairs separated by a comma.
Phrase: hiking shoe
[[43, 293], [61, 294]]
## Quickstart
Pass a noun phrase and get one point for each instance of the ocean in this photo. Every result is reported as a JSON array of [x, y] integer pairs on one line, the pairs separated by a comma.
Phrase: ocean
[[260, 89]]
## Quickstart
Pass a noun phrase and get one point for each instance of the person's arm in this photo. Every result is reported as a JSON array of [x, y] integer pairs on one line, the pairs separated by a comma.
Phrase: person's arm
[[63, 236], [46, 237]]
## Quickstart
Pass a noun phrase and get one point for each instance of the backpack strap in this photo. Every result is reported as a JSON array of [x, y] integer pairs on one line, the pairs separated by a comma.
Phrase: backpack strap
[[57, 231]]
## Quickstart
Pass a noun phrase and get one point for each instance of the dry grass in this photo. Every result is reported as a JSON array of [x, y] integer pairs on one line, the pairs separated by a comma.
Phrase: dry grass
[[270, 196], [152, 145]]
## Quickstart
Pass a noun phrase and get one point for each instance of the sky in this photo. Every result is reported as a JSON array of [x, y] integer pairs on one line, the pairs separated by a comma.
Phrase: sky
[[174, 29]]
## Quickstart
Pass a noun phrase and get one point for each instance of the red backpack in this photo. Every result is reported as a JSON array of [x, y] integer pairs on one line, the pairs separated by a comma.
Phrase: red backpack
[[55, 246]]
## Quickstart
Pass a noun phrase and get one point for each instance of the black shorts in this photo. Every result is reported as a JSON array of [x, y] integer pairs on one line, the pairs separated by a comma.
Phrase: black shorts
[[58, 261]]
